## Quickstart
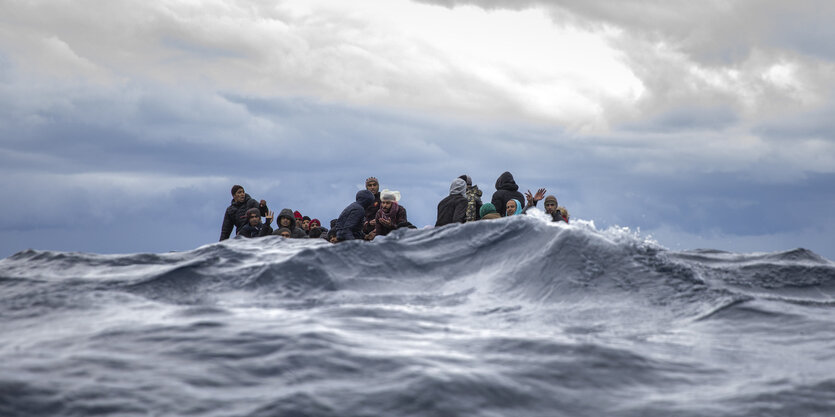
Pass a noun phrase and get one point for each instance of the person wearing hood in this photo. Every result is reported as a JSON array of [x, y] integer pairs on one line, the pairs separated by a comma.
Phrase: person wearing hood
[[488, 212], [350, 222], [453, 208], [235, 215], [506, 190], [513, 208], [287, 220], [372, 185], [255, 228], [390, 215], [473, 199]]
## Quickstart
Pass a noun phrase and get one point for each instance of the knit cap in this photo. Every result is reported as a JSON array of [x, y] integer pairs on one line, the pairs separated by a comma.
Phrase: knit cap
[[486, 209]]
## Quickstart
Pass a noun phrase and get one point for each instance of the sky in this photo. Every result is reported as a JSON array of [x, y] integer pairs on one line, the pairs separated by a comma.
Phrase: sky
[[124, 124]]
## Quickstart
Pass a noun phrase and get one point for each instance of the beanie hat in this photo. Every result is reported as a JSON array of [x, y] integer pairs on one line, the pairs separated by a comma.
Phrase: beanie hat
[[389, 195], [371, 179], [252, 211], [552, 199], [297, 215], [235, 188], [283, 229], [486, 209], [315, 222], [306, 218]]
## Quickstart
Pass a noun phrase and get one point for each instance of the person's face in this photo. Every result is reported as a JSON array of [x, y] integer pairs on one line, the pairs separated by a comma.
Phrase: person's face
[[285, 222], [285, 234], [333, 239], [240, 195], [550, 207], [254, 220], [511, 208], [372, 186], [386, 205], [306, 224]]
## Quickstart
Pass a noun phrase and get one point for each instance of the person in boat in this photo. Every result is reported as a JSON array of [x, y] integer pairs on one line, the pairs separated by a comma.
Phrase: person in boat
[[306, 224], [488, 212], [349, 225], [283, 232], [316, 224], [453, 208], [255, 228], [390, 215], [552, 207], [513, 207], [286, 219], [473, 199], [372, 185], [235, 215], [506, 190]]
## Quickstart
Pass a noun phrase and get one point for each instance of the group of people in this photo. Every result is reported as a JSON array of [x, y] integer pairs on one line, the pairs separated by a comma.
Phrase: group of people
[[377, 213]]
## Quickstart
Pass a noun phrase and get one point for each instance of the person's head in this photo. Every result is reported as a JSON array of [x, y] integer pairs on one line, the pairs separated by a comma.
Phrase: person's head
[[238, 193], [306, 223], [513, 207], [365, 198], [298, 216], [486, 209], [467, 179], [284, 221], [551, 204], [371, 184], [315, 223], [387, 199], [458, 186], [253, 216], [284, 232]]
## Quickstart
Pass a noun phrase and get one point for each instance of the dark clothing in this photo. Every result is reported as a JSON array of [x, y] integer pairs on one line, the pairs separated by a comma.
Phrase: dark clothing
[[371, 213], [350, 221], [396, 215], [506, 190], [235, 215], [453, 208], [259, 231], [295, 231]]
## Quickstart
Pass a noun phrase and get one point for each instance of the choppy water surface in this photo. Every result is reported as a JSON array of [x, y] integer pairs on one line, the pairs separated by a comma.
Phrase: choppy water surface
[[513, 317]]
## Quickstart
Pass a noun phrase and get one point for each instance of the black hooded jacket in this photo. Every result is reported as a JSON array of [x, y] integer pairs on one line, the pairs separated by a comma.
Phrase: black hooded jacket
[[235, 215], [350, 221], [506, 190], [295, 231]]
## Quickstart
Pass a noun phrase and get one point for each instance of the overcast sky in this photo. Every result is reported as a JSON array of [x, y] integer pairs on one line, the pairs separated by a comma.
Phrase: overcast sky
[[124, 124]]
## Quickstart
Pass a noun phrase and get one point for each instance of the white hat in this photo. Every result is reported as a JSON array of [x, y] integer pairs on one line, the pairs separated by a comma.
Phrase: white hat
[[389, 195]]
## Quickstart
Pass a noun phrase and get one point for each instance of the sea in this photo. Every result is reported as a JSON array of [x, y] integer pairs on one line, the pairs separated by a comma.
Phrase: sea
[[511, 317]]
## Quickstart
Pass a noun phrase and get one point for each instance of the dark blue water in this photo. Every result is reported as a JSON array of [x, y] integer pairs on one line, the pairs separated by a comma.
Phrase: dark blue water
[[513, 317]]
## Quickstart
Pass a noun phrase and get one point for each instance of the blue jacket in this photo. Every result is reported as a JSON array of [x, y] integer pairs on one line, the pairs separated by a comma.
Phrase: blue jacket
[[349, 223]]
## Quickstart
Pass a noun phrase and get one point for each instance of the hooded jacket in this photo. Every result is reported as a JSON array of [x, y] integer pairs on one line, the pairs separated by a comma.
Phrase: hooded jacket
[[350, 221], [506, 190], [295, 231], [235, 215], [453, 208]]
